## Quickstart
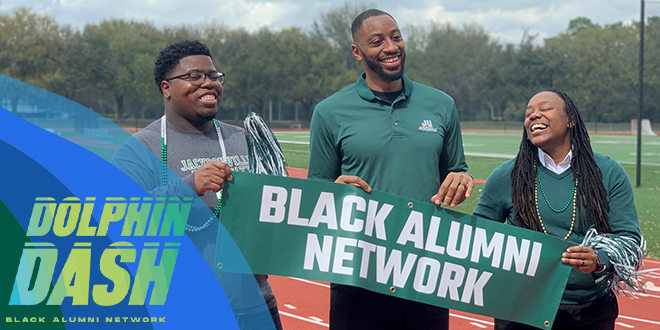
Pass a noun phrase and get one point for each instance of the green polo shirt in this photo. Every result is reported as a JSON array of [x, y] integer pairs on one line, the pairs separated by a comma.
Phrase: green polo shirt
[[404, 148]]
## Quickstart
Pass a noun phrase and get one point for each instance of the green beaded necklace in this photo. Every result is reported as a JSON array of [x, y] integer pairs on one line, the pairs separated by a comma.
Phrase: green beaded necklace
[[538, 184], [538, 179], [163, 157]]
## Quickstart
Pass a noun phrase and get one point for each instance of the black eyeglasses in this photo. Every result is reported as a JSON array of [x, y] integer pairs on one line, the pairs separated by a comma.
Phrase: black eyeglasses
[[197, 78]]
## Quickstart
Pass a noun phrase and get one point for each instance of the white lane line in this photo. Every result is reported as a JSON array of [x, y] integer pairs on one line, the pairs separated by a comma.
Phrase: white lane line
[[625, 325], [478, 325], [317, 319], [289, 306], [304, 319], [310, 282], [292, 142], [476, 154], [489, 155], [633, 163], [650, 271], [650, 286], [639, 320], [471, 319], [647, 295]]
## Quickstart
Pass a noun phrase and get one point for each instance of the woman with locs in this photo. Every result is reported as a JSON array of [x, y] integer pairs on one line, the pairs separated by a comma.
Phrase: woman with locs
[[557, 185]]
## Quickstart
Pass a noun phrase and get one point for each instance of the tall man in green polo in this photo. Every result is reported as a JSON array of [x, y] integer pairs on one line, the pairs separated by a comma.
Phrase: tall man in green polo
[[394, 135]]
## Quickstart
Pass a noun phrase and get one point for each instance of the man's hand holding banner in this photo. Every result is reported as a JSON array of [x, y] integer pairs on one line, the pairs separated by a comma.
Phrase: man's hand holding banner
[[392, 245]]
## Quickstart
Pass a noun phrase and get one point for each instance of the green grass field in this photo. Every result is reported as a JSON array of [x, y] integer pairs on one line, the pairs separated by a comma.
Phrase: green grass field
[[484, 152]]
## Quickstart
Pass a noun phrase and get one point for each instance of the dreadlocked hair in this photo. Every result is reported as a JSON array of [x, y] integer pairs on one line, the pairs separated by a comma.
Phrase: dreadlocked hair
[[591, 193]]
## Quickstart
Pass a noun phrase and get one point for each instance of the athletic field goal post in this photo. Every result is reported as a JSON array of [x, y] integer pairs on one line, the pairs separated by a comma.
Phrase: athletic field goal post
[[646, 127]]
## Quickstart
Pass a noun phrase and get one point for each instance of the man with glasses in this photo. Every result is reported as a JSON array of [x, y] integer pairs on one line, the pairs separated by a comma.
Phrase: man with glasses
[[201, 153]]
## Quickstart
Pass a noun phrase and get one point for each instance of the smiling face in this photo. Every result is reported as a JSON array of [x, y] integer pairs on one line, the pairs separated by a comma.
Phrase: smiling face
[[379, 45], [185, 102], [546, 124]]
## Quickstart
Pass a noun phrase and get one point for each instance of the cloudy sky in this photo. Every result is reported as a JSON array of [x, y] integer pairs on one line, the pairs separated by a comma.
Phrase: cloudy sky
[[503, 19]]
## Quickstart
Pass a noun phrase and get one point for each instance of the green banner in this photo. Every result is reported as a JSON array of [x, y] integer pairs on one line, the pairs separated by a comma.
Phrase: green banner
[[392, 245]]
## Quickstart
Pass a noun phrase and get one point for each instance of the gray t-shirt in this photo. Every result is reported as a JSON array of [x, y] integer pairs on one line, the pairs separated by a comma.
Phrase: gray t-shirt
[[186, 152]]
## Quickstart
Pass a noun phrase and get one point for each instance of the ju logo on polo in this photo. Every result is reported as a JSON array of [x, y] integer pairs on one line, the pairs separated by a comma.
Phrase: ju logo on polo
[[427, 126]]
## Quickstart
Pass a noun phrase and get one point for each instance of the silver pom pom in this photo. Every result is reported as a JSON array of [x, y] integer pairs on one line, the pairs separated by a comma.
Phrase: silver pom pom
[[264, 151], [626, 257]]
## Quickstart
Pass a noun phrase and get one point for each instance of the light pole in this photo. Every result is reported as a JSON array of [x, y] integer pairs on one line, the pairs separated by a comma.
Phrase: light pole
[[640, 101], [641, 93]]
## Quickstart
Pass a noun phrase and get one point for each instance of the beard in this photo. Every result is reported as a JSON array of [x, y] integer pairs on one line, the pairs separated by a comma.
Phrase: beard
[[205, 118], [375, 67], [204, 115]]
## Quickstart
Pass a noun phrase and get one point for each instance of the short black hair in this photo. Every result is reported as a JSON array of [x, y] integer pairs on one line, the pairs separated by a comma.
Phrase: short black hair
[[169, 57], [359, 20]]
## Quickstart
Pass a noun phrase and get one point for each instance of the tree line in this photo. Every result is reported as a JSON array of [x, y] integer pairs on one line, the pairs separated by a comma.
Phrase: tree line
[[108, 66]]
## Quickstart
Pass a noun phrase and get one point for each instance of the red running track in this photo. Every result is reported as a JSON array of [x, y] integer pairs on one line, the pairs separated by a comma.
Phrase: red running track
[[305, 304]]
